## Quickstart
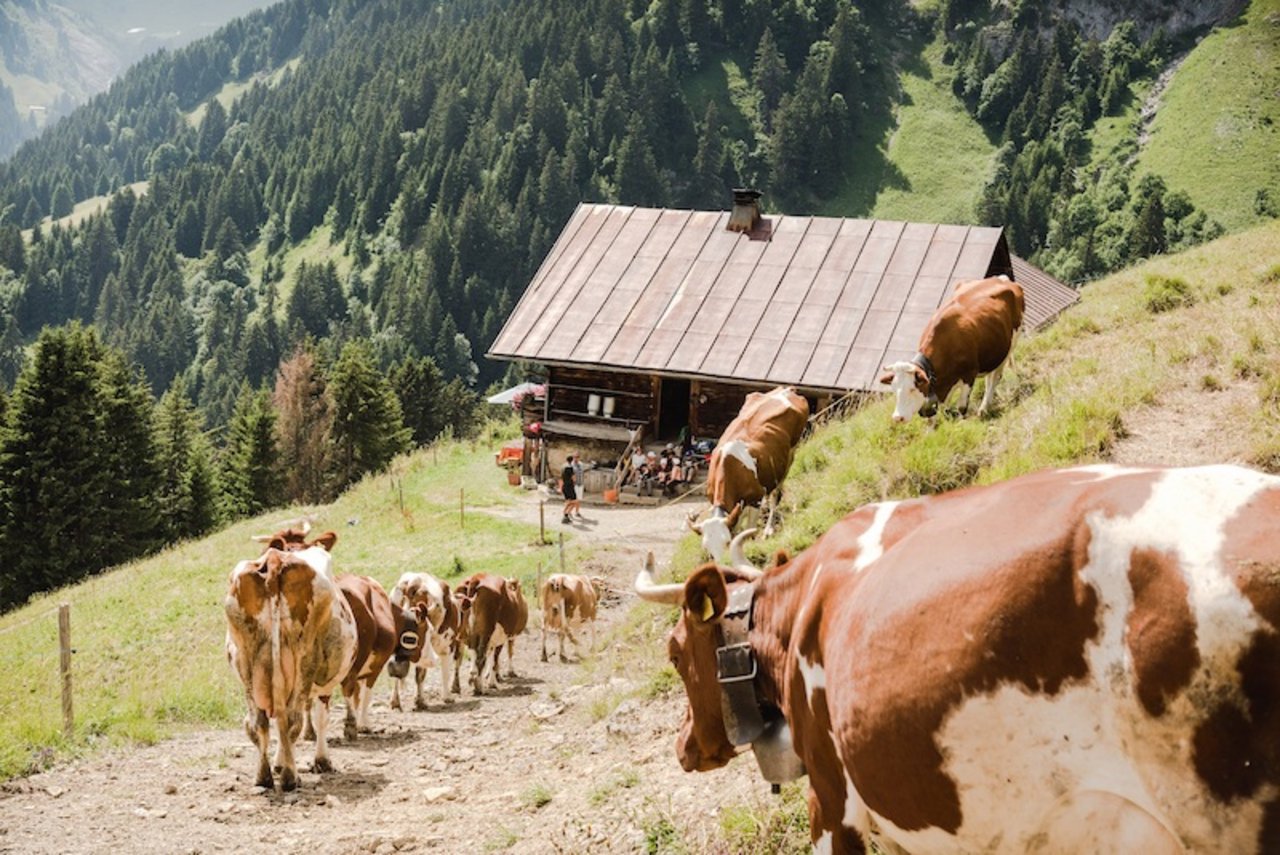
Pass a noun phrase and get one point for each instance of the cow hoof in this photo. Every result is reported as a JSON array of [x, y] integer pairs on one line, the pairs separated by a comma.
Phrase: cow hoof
[[544, 656], [265, 781], [564, 658], [349, 732], [288, 782], [309, 734], [321, 764], [420, 705], [395, 705], [448, 699]]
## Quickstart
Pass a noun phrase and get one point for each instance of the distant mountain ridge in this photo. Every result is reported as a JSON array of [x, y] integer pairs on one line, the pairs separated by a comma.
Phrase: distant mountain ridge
[[54, 56]]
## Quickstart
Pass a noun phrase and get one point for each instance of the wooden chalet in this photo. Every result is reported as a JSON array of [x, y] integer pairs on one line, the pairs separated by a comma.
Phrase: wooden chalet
[[664, 319]]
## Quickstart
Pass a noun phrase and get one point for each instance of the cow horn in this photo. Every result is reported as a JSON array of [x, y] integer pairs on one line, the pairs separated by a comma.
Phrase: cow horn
[[692, 522], [732, 519], [671, 594], [739, 559]]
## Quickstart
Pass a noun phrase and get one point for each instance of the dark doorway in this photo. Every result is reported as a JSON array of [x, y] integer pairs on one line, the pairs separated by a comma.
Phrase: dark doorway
[[674, 407]]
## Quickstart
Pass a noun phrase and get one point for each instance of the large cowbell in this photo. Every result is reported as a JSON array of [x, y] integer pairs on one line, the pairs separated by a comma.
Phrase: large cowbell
[[775, 754]]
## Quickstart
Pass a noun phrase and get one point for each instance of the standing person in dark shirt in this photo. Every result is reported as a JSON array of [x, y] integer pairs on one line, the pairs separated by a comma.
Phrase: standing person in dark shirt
[[569, 488]]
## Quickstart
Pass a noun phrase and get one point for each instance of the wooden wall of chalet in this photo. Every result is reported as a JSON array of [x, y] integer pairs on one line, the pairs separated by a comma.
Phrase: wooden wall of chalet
[[634, 394], [712, 405]]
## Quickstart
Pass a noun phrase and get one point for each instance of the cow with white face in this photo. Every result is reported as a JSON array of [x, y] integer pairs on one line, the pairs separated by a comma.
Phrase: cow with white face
[[1102, 676], [444, 644], [970, 335], [750, 462]]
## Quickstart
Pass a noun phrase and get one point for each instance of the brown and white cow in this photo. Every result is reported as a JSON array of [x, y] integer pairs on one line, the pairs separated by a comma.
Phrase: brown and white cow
[[443, 645], [383, 630], [750, 462], [497, 613], [568, 604], [971, 334], [1079, 660], [291, 638]]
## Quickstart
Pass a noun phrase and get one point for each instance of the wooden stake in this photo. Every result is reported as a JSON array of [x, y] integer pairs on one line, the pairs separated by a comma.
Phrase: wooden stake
[[64, 649]]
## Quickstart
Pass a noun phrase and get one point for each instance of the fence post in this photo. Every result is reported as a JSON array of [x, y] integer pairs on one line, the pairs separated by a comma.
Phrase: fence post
[[64, 649]]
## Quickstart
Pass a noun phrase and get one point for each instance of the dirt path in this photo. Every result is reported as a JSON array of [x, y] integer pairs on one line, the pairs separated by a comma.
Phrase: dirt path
[[560, 759]]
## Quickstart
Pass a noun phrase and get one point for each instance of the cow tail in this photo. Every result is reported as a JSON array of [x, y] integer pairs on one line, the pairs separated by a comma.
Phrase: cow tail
[[278, 699]]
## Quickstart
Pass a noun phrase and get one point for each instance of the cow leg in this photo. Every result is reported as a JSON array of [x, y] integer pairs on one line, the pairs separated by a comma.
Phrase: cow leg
[[965, 390], [511, 657], [989, 393], [458, 653], [366, 700], [286, 732], [446, 678], [420, 677], [495, 673], [564, 630], [772, 501], [320, 715], [481, 651], [258, 726], [544, 643], [349, 729], [308, 730]]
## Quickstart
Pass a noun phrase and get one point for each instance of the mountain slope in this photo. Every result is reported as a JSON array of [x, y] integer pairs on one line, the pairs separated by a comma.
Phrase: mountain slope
[[1216, 134], [56, 55]]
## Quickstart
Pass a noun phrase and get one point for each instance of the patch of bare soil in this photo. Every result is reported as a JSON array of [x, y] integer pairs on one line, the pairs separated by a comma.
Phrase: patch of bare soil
[[551, 762], [1191, 426]]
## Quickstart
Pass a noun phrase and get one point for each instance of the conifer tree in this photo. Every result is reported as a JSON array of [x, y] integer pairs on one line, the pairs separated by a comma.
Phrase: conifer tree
[[368, 427], [52, 481], [188, 493], [133, 501], [418, 384], [251, 478]]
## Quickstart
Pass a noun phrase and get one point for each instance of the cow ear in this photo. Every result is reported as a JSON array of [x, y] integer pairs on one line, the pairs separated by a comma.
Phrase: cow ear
[[326, 540], [444, 590], [420, 612], [276, 543], [886, 378], [705, 595], [464, 603], [780, 558]]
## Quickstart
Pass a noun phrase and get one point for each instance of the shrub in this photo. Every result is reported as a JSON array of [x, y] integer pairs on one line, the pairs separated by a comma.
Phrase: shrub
[[1163, 293]]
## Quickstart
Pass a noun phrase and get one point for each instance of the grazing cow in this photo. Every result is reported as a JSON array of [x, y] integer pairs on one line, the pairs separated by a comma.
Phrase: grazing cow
[[1079, 660], [973, 333], [750, 462], [497, 612], [383, 630], [291, 638], [568, 603], [443, 645]]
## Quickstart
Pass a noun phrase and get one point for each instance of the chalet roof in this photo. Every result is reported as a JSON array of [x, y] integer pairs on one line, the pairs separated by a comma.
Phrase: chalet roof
[[816, 302]]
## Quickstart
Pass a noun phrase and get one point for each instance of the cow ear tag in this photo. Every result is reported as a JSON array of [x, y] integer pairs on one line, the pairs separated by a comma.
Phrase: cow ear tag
[[708, 609]]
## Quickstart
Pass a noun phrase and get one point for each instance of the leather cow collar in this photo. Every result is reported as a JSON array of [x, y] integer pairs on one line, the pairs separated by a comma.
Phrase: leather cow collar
[[931, 401], [748, 718]]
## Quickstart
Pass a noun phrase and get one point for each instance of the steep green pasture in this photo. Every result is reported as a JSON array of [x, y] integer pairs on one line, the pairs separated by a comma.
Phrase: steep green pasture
[[149, 636], [1217, 133], [938, 158]]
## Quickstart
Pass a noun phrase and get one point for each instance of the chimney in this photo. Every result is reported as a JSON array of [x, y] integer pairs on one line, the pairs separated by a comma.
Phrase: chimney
[[746, 210]]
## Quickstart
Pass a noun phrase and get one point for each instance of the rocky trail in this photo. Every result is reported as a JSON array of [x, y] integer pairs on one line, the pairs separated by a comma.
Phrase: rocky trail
[[565, 757]]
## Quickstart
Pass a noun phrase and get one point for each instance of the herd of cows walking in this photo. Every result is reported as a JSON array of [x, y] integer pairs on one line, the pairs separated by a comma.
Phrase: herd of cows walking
[[1074, 660]]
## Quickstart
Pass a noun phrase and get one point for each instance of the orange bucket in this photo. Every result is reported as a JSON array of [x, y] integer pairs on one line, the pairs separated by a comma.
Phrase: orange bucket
[[611, 496]]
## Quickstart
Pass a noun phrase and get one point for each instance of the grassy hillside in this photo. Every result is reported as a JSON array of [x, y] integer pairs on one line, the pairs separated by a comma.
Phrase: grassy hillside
[[937, 158], [1217, 133]]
